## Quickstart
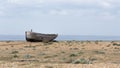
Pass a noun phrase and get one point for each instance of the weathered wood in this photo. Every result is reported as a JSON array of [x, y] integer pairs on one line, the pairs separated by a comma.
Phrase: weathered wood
[[39, 37]]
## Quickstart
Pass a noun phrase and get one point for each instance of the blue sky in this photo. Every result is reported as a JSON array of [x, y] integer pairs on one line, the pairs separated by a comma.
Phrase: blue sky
[[65, 17]]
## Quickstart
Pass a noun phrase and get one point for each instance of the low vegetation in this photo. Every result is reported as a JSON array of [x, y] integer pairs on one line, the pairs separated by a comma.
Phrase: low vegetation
[[116, 44], [99, 52], [81, 61], [73, 55], [62, 52]]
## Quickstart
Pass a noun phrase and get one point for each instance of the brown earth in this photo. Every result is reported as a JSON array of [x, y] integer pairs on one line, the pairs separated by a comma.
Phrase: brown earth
[[62, 54]]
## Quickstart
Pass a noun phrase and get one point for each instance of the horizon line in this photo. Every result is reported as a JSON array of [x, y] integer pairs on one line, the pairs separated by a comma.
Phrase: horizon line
[[59, 35]]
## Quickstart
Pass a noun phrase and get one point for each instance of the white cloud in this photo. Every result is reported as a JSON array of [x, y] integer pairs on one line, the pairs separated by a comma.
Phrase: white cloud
[[70, 1], [25, 2], [64, 7], [101, 3], [1, 13], [2, 9], [58, 12], [106, 4], [78, 2]]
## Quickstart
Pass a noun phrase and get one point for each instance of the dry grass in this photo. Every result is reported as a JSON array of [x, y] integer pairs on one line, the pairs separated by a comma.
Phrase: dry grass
[[62, 54], [49, 65]]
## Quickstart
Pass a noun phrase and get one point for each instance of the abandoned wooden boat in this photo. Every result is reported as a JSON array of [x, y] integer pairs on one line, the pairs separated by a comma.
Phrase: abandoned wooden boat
[[39, 37]]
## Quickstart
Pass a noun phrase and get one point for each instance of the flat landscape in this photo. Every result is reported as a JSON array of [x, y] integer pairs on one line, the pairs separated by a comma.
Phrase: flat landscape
[[60, 54]]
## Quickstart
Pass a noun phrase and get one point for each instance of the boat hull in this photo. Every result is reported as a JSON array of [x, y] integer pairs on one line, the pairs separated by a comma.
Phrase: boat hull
[[39, 37]]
